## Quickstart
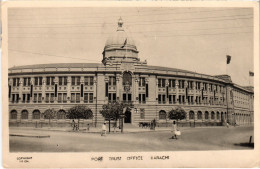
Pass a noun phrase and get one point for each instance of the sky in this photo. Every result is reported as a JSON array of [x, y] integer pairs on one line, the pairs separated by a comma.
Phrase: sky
[[194, 39]]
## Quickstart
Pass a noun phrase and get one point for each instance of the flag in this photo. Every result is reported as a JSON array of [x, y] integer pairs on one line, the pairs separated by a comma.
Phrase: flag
[[124, 43], [228, 59], [251, 73]]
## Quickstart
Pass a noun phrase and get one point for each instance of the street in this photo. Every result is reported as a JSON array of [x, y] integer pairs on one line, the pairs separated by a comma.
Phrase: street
[[208, 138]]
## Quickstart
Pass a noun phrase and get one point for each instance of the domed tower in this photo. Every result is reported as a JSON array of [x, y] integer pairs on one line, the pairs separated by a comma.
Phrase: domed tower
[[120, 47]]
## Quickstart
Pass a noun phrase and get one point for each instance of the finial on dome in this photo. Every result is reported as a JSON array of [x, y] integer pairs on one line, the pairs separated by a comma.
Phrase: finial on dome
[[120, 24]]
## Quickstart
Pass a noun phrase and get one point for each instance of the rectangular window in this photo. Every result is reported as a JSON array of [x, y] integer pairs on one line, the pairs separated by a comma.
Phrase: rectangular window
[[17, 98], [85, 97], [48, 81], [163, 99], [90, 97], [36, 81], [52, 98], [170, 99], [142, 114], [73, 82], [91, 81], [109, 96], [143, 98], [173, 98], [59, 97], [124, 97], [73, 98], [47, 97], [13, 98], [161, 82], [65, 80], [39, 98], [40, 81], [171, 83], [28, 98], [25, 81], [35, 97], [112, 81], [78, 80], [60, 81], [77, 97], [64, 97], [159, 99], [142, 81], [24, 97], [114, 96], [14, 81], [129, 97]]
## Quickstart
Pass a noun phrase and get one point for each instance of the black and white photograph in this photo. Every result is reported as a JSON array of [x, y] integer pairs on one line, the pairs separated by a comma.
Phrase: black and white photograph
[[130, 79]]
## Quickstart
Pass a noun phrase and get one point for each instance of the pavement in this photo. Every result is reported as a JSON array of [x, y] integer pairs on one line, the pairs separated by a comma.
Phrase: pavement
[[199, 138], [94, 130]]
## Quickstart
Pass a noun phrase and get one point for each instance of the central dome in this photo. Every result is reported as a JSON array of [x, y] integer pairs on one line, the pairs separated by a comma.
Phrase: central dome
[[120, 42]]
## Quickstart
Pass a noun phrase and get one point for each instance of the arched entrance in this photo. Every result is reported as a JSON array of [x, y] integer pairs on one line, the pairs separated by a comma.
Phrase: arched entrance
[[127, 117]]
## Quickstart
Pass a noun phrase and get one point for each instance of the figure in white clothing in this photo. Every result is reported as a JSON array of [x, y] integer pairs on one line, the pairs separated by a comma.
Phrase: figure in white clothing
[[104, 130]]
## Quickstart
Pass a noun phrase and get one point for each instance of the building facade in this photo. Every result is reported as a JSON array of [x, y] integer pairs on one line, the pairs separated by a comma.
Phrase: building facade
[[153, 90]]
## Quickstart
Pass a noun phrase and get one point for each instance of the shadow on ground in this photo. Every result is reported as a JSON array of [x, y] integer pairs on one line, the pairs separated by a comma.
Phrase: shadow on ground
[[251, 145]]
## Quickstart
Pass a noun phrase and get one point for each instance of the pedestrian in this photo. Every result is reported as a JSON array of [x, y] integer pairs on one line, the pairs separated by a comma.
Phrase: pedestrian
[[73, 125], [88, 127], [227, 125], [174, 130], [104, 129], [154, 124]]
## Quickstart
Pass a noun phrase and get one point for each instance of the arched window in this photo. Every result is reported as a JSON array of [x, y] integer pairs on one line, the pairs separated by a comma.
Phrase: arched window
[[13, 114], [36, 114], [217, 115], [127, 78], [191, 115], [212, 115], [61, 114], [162, 115], [199, 115], [24, 114], [206, 115]]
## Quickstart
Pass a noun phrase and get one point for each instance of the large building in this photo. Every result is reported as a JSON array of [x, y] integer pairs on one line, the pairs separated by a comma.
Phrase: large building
[[153, 90]]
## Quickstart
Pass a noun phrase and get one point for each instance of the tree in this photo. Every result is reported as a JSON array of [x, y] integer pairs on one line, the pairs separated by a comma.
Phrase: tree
[[113, 110], [79, 112], [49, 114], [177, 114]]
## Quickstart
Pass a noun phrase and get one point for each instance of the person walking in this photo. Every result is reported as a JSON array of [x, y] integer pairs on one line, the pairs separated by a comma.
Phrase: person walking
[[104, 130], [73, 125], [174, 130], [227, 125]]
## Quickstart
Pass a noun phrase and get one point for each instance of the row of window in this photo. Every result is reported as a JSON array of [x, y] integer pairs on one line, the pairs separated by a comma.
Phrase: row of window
[[49, 98], [181, 83], [62, 80], [182, 98], [163, 115]]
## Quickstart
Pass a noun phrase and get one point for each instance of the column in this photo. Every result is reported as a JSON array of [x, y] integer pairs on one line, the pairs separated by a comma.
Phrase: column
[[185, 89], [32, 94], [82, 85], [194, 91], [156, 90], [43, 89], [10, 83], [177, 91], [56, 86], [166, 86], [68, 89], [136, 87], [20, 91], [117, 86]]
